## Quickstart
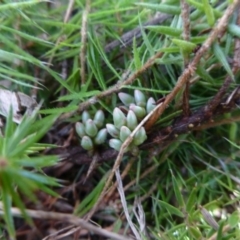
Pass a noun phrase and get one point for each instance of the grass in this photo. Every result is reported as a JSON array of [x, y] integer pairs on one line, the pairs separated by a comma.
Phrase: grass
[[72, 56]]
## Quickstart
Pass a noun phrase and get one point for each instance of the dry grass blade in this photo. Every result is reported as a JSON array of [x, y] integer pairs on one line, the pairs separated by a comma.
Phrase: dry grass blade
[[84, 41], [124, 204]]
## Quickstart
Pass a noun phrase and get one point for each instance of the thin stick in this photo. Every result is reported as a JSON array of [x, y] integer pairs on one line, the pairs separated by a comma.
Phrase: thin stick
[[83, 33], [220, 122], [186, 36], [66, 217]]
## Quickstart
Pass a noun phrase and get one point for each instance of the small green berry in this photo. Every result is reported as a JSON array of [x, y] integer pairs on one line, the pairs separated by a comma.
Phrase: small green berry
[[119, 118], [99, 118], [80, 129], [101, 137], [115, 144], [132, 121], [140, 136], [151, 104], [126, 99], [87, 143], [139, 98], [90, 128], [124, 133], [112, 130], [140, 112], [85, 116]]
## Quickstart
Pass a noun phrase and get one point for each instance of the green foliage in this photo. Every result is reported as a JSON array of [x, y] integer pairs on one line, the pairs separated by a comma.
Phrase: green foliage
[[15, 145], [196, 169]]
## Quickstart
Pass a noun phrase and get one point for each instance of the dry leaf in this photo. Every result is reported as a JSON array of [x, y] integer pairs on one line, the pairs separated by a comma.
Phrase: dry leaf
[[20, 102]]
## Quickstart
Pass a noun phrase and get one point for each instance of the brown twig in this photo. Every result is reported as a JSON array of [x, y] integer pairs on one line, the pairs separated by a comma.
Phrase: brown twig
[[185, 13], [82, 55], [217, 123]]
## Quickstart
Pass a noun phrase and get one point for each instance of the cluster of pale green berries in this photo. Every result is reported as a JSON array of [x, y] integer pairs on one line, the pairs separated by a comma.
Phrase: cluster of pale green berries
[[136, 108], [91, 131]]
